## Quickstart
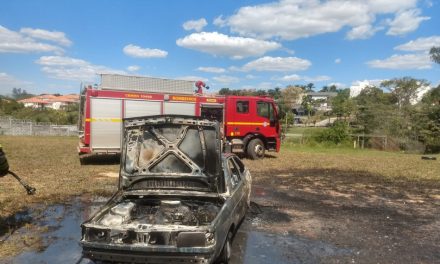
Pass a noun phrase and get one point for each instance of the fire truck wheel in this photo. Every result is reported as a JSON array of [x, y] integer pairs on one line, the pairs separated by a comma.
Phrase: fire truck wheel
[[255, 149]]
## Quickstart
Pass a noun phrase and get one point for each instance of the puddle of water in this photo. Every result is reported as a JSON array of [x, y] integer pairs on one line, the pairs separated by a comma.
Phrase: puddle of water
[[255, 247], [61, 242]]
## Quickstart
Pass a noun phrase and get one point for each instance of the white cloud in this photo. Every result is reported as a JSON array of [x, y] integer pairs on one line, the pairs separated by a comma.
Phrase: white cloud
[[61, 61], [420, 44], [211, 69], [289, 51], [320, 78], [286, 64], [405, 22], [296, 77], [259, 86], [133, 68], [226, 79], [362, 32], [250, 76], [14, 42], [192, 78], [338, 60], [290, 78], [196, 25], [219, 21], [55, 36], [67, 68], [7, 82], [293, 19], [403, 62], [138, 52], [222, 45]]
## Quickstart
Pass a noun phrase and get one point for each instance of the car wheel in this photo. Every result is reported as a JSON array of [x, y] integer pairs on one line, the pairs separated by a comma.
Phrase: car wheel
[[255, 149], [225, 255]]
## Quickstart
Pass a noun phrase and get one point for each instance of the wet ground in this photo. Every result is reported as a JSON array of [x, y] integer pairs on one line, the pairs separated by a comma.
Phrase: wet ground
[[59, 240], [311, 218]]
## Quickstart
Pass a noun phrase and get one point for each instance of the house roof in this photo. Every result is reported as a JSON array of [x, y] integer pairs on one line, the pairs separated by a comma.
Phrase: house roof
[[50, 98], [34, 100]]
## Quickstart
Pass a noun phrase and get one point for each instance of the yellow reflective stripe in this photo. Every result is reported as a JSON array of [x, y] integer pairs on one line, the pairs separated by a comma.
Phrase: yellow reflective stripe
[[245, 123], [115, 120]]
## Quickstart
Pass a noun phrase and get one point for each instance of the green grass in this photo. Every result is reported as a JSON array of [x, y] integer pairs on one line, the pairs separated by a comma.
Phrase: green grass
[[334, 149], [304, 130]]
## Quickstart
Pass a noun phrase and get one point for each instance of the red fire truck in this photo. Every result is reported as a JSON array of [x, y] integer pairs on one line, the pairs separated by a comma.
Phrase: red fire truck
[[249, 123]]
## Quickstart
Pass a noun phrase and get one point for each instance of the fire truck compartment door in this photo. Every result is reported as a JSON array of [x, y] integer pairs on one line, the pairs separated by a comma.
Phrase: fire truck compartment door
[[141, 108], [171, 108], [106, 123]]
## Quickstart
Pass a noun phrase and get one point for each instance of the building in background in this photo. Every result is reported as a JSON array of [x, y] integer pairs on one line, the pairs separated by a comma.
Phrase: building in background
[[50, 101]]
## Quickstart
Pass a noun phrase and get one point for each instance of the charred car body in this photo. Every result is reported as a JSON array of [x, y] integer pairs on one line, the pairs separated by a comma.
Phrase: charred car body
[[179, 199]]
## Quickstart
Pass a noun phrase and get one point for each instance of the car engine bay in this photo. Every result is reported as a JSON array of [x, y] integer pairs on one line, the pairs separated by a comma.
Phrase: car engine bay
[[160, 212]]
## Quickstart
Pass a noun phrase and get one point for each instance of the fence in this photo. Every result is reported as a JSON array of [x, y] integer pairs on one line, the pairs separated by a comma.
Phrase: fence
[[18, 127]]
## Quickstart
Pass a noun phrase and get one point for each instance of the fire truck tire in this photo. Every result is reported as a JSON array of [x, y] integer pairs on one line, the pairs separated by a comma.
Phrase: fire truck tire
[[255, 149]]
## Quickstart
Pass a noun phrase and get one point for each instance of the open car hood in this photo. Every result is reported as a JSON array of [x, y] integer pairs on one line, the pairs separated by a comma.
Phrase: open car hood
[[170, 152]]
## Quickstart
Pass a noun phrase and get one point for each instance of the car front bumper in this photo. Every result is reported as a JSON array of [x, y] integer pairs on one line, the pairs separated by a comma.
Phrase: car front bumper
[[126, 256]]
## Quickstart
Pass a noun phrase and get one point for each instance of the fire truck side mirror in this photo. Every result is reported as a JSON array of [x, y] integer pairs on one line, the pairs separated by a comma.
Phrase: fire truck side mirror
[[273, 122]]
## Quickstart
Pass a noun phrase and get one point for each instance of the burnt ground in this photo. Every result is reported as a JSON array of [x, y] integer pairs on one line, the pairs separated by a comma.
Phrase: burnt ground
[[300, 216], [334, 216]]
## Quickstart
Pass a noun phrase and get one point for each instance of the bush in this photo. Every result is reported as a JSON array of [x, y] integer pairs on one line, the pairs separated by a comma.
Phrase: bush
[[338, 133]]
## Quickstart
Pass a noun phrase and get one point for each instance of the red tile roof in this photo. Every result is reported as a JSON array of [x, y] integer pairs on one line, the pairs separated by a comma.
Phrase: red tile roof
[[50, 98]]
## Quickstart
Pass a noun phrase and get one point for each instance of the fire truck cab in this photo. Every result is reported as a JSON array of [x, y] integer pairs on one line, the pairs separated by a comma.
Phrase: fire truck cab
[[249, 124]]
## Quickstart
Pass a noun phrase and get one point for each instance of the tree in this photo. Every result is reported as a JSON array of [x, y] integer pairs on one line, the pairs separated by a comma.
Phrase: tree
[[435, 54], [225, 91], [405, 89], [342, 104], [376, 110], [18, 94], [324, 88], [307, 104], [331, 88], [291, 95], [275, 93], [427, 120], [337, 134]]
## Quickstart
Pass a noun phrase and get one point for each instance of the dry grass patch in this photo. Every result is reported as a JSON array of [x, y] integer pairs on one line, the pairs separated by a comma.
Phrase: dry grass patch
[[51, 165], [389, 166]]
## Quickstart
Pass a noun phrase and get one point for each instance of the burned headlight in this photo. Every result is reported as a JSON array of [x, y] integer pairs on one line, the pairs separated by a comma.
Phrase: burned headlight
[[210, 238], [96, 235], [195, 239]]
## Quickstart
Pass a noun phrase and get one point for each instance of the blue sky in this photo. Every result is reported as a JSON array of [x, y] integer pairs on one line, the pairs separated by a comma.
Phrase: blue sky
[[52, 46]]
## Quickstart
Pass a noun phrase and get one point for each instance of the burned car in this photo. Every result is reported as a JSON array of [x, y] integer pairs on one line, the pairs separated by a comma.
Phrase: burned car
[[180, 199]]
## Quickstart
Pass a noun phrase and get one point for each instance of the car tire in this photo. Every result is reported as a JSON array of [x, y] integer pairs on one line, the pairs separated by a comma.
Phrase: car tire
[[225, 255], [255, 149]]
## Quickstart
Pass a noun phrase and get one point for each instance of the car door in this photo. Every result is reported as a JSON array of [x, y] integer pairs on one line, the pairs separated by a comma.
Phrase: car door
[[237, 190], [246, 178]]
